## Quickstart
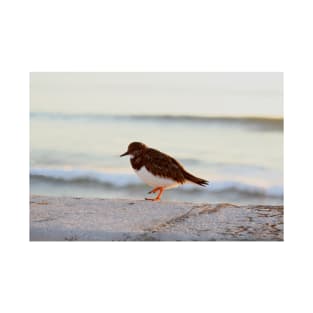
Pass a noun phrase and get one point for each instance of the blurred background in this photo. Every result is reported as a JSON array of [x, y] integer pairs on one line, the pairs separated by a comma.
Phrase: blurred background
[[224, 127]]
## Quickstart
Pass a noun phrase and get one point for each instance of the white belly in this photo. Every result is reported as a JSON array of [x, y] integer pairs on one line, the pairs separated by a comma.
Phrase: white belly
[[155, 181]]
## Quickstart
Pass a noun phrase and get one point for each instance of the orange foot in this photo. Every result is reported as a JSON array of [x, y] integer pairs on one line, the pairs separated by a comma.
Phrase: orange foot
[[161, 190]]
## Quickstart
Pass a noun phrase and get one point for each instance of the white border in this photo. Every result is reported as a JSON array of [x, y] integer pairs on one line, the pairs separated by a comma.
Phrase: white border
[[156, 36]]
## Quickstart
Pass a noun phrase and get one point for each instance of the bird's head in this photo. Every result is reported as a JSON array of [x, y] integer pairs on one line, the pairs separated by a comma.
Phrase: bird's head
[[134, 149]]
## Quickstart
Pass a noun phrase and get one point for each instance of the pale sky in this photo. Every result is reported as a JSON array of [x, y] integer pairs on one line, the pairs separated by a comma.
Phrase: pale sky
[[230, 94]]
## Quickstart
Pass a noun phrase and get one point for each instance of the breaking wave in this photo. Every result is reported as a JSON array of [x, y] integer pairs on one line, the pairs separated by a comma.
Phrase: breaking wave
[[264, 123], [123, 180]]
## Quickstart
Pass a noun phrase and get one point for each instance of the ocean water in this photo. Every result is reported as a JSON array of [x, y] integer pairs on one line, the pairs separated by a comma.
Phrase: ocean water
[[75, 145]]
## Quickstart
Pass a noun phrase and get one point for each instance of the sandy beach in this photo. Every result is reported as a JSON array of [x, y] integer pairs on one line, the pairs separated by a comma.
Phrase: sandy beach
[[94, 219]]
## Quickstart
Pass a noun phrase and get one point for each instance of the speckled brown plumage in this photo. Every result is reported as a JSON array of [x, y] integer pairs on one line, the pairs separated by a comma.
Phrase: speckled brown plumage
[[160, 164]]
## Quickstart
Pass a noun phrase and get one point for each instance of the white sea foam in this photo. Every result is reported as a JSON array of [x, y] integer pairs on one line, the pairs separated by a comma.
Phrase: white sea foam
[[271, 191], [116, 180], [72, 175]]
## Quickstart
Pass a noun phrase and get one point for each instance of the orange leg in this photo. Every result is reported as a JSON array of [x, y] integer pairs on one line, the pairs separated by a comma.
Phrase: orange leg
[[161, 189], [154, 190]]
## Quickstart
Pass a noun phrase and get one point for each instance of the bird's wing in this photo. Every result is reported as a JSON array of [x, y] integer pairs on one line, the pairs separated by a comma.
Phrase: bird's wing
[[157, 163]]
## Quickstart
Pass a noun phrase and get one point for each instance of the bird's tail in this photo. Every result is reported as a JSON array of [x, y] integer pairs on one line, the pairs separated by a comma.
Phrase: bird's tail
[[196, 180]]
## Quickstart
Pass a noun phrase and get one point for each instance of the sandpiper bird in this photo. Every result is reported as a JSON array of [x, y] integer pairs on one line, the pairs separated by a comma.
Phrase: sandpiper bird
[[158, 169]]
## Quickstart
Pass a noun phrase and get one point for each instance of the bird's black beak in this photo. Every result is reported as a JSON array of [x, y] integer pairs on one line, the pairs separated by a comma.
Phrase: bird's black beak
[[126, 153]]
